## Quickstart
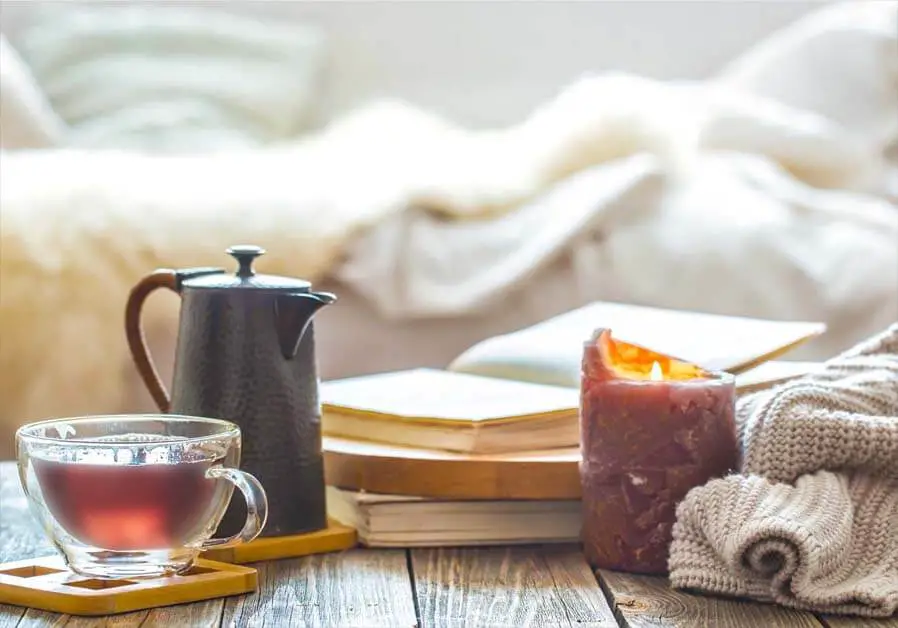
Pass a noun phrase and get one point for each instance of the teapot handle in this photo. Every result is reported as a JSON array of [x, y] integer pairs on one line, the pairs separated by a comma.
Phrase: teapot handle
[[163, 278]]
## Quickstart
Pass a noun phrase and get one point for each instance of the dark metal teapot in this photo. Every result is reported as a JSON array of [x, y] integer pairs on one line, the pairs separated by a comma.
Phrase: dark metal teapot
[[246, 353]]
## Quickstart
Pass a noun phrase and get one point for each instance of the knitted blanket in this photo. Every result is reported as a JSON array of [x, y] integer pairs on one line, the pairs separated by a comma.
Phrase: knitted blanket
[[812, 520]]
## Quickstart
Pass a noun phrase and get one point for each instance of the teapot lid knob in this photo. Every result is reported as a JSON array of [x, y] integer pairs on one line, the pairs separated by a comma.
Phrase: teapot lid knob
[[245, 254]]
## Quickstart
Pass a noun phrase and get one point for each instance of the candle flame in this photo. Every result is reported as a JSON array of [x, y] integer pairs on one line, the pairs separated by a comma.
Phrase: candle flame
[[618, 359]]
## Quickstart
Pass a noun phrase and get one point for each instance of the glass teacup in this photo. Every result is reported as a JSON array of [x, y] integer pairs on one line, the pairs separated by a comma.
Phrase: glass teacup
[[135, 496]]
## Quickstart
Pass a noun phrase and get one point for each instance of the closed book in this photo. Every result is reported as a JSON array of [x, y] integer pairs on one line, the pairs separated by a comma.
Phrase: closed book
[[410, 521]]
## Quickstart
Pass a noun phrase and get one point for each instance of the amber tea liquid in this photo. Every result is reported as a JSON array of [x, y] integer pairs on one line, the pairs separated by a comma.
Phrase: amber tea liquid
[[115, 502]]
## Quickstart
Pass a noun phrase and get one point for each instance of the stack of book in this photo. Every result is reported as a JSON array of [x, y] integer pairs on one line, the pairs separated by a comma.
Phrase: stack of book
[[415, 521], [511, 396]]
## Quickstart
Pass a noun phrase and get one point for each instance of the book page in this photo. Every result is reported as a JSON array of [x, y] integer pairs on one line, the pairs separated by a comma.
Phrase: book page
[[435, 394], [551, 351]]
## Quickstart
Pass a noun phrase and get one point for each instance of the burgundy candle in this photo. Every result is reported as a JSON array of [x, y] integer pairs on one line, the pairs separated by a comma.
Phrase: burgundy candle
[[651, 428]]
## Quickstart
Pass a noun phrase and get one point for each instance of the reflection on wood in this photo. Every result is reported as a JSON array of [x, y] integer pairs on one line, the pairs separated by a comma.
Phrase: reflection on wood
[[360, 588], [506, 587], [642, 601]]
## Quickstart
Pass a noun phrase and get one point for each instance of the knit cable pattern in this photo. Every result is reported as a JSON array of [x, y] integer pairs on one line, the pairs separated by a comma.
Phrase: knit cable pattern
[[811, 520]]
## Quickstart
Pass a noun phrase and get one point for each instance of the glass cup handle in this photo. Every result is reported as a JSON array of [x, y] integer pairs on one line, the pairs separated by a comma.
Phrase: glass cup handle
[[256, 505]]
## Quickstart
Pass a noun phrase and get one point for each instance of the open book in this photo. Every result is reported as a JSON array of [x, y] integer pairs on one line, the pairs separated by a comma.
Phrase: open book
[[550, 352], [435, 409], [520, 391]]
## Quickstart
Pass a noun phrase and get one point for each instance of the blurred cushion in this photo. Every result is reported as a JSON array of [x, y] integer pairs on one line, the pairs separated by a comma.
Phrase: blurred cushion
[[26, 118], [173, 78], [840, 62]]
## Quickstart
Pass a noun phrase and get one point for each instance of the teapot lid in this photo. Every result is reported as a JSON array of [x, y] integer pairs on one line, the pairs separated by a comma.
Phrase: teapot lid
[[246, 277]]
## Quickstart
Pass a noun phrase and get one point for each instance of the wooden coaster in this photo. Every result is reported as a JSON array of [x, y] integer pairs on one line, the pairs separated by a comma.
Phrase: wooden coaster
[[46, 584], [334, 538]]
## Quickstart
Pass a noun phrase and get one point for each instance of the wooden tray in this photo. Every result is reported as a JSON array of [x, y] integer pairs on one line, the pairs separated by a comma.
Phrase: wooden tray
[[334, 538], [380, 468], [46, 584]]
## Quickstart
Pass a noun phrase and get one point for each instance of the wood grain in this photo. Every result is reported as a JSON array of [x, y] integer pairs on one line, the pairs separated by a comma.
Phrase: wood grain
[[10, 616], [648, 601], [357, 588], [199, 615], [505, 587], [380, 468], [831, 621], [20, 533], [577, 588]]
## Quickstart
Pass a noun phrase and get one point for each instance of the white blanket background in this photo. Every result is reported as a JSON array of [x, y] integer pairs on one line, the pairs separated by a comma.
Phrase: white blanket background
[[766, 191]]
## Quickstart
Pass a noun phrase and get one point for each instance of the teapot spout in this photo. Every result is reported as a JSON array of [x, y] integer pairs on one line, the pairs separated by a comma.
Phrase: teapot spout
[[292, 314]]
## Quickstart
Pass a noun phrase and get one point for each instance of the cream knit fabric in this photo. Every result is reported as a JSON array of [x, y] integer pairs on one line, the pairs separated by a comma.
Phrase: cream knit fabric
[[812, 520]]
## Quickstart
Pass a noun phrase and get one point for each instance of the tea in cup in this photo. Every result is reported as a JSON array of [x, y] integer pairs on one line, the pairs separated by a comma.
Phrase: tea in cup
[[135, 496]]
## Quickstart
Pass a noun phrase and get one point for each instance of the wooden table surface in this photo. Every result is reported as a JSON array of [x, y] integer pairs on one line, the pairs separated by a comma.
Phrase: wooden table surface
[[504, 586]]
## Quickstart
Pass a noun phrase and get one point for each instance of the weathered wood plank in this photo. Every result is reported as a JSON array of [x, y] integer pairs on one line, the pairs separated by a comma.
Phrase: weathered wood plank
[[198, 615], [201, 614], [10, 616], [831, 621], [577, 588], [510, 586], [646, 601], [23, 538], [41, 619], [356, 588], [21, 535]]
